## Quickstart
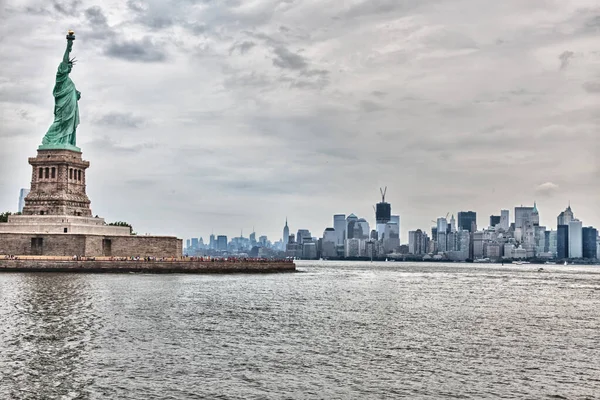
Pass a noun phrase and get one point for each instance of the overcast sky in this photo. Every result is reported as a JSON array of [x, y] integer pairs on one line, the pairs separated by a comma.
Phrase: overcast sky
[[199, 115]]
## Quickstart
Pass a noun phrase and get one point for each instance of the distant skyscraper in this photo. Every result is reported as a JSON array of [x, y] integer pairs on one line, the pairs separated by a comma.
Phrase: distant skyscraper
[[286, 234], [350, 221], [552, 242], [396, 219], [590, 236], [495, 220], [212, 244], [504, 220], [418, 242], [303, 235], [383, 214], [442, 229], [383, 210], [525, 218], [575, 239], [565, 217], [359, 229], [328, 248], [452, 224], [535, 214], [23, 193], [467, 220], [263, 241], [339, 224], [222, 243], [195, 243], [391, 237], [562, 242]]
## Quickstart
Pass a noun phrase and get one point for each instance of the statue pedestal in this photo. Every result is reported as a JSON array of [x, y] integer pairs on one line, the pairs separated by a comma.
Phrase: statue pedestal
[[58, 184]]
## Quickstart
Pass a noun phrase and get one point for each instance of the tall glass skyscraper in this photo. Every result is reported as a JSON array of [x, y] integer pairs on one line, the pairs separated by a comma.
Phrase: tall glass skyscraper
[[467, 220], [562, 242], [23, 193], [589, 243], [575, 239]]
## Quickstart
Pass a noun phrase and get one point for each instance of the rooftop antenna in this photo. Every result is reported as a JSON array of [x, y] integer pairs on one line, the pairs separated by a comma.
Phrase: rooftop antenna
[[383, 192]]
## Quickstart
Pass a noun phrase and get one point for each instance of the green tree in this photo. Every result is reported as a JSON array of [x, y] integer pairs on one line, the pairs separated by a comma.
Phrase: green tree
[[121, 223], [4, 216]]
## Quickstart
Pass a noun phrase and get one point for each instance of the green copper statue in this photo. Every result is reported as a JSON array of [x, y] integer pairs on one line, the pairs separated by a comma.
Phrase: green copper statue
[[62, 133]]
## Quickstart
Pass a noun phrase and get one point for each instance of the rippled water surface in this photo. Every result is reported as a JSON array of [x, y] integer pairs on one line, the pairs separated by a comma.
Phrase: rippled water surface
[[331, 331]]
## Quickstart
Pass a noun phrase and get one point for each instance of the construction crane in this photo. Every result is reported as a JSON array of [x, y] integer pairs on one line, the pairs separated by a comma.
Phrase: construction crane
[[383, 192]]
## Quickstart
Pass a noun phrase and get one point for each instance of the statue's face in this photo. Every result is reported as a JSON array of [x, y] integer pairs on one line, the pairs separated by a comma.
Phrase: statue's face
[[70, 67]]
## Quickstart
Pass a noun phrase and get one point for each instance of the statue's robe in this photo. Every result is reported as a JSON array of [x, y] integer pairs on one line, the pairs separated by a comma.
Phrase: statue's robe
[[66, 110]]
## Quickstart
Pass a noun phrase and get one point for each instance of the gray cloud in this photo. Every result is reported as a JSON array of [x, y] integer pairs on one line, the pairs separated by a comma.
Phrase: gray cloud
[[109, 146], [96, 17], [242, 47], [136, 5], [592, 87], [144, 50], [70, 8], [593, 23], [288, 60], [370, 7], [196, 28], [370, 106], [547, 189], [120, 119], [565, 57]]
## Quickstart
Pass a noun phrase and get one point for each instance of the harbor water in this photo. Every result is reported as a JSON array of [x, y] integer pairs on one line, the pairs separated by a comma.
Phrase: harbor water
[[333, 330]]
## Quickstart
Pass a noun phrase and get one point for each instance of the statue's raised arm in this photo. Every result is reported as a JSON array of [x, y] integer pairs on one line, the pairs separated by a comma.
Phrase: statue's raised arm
[[70, 39], [62, 132]]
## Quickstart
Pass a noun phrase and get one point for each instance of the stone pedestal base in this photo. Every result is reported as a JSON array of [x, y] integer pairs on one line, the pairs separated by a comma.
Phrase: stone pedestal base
[[58, 184], [57, 224]]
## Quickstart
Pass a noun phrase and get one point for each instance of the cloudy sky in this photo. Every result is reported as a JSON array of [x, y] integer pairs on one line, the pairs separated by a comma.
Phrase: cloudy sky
[[199, 115]]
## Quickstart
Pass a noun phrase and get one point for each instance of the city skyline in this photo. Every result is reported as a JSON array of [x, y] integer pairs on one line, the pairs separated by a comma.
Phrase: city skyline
[[546, 220], [241, 115]]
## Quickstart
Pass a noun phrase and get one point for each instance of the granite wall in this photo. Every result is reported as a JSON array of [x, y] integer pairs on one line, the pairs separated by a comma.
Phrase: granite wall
[[89, 245]]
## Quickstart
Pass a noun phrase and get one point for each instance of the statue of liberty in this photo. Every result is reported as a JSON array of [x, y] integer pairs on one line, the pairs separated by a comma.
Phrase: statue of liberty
[[62, 132]]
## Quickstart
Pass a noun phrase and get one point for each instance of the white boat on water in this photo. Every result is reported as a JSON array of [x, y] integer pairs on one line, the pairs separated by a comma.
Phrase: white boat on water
[[520, 262]]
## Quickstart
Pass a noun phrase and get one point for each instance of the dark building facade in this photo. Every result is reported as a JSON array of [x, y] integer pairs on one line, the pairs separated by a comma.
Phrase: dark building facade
[[589, 235], [467, 220], [562, 242], [494, 220], [222, 243], [383, 212]]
